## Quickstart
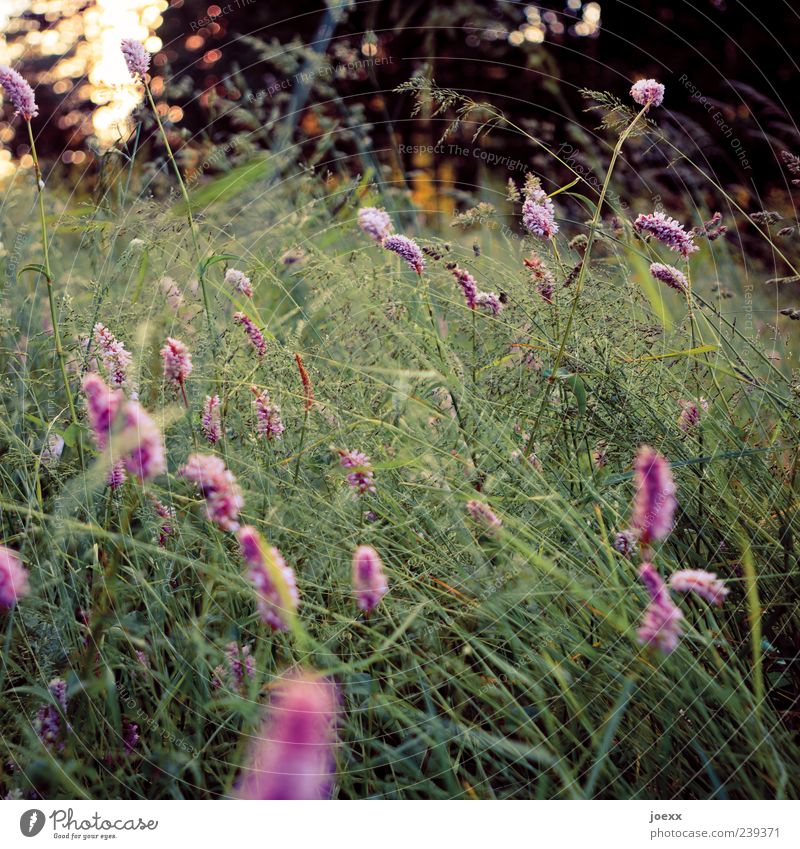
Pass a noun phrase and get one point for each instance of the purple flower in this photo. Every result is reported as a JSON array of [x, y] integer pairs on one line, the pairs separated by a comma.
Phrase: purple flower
[[102, 406], [240, 666], [360, 476], [293, 759], [167, 515], [705, 584], [136, 57], [52, 449], [116, 475], [219, 488], [489, 302], [375, 223], [130, 736], [18, 91], [539, 214], [13, 578], [211, 421], [143, 445], [484, 516], [48, 718], [274, 581], [661, 624], [255, 335], [654, 503], [468, 286], [112, 354], [239, 282], [268, 415], [691, 413], [668, 231], [408, 250], [177, 362], [369, 581], [625, 543], [646, 92], [670, 275]]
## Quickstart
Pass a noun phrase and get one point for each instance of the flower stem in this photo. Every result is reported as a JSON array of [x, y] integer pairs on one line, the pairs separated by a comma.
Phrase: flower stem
[[48, 275]]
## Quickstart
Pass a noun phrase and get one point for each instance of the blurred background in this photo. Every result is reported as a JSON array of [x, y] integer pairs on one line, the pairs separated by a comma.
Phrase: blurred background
[[240, 76]]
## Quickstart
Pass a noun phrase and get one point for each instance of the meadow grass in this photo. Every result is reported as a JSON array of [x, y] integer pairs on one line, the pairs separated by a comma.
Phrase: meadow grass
[[498, 665]]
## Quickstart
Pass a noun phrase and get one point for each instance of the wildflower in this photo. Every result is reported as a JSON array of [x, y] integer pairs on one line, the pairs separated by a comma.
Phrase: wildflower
[[361, 477], [136, 57], [625, 543], [489, 302], [167, 515], [654, 502], [255, 335], [273, 579], [19, 93], [648, 92], [13, 578], [484, 516], [114, 357], [219, 489], [293, 759], [52, 449], [468, 285], [670, 275], [369, 582], [668, 231], [308, 389], [240, 665], [408, 250], [375, 223], [177, 363], [661, 624], [705, 584], [48, 717], [130, 736], [142, 443], [690, 413], [713, 228], [600, 455], [142, 658], [116, 475], [539, 214], [211, 420], [239, 282], [102, 406], [268, 415]]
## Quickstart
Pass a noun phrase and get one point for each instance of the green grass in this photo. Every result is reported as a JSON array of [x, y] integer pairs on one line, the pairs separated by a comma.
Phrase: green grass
[[495, 667]]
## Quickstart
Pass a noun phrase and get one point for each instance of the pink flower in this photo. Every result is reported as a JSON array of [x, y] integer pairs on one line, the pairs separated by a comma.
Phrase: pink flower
[[239, 282], [116, 475], [654, 503], [255, 335], [136, 57], [625, 543], [130, 736], [167, 515], [468, 286], [375, 223], [177, 363], [484, 516], [143, 446], [102, 406], [369, 581], [668, 231], [670, 275], [691, 413], [211, 420], [18, 92], [48, 719], [539, 214], [293, 759], [268, 415], [408, 250], [489, 302], [13, 578], [219, 489], [112, 353], [661, 625], [361, 477], [646, 92], [705, 584], [240, 666], [273, 579]]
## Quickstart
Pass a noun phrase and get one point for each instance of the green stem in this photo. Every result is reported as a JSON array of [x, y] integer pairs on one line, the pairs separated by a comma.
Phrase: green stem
[[593, 226], [48, 274], [300, 448]]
